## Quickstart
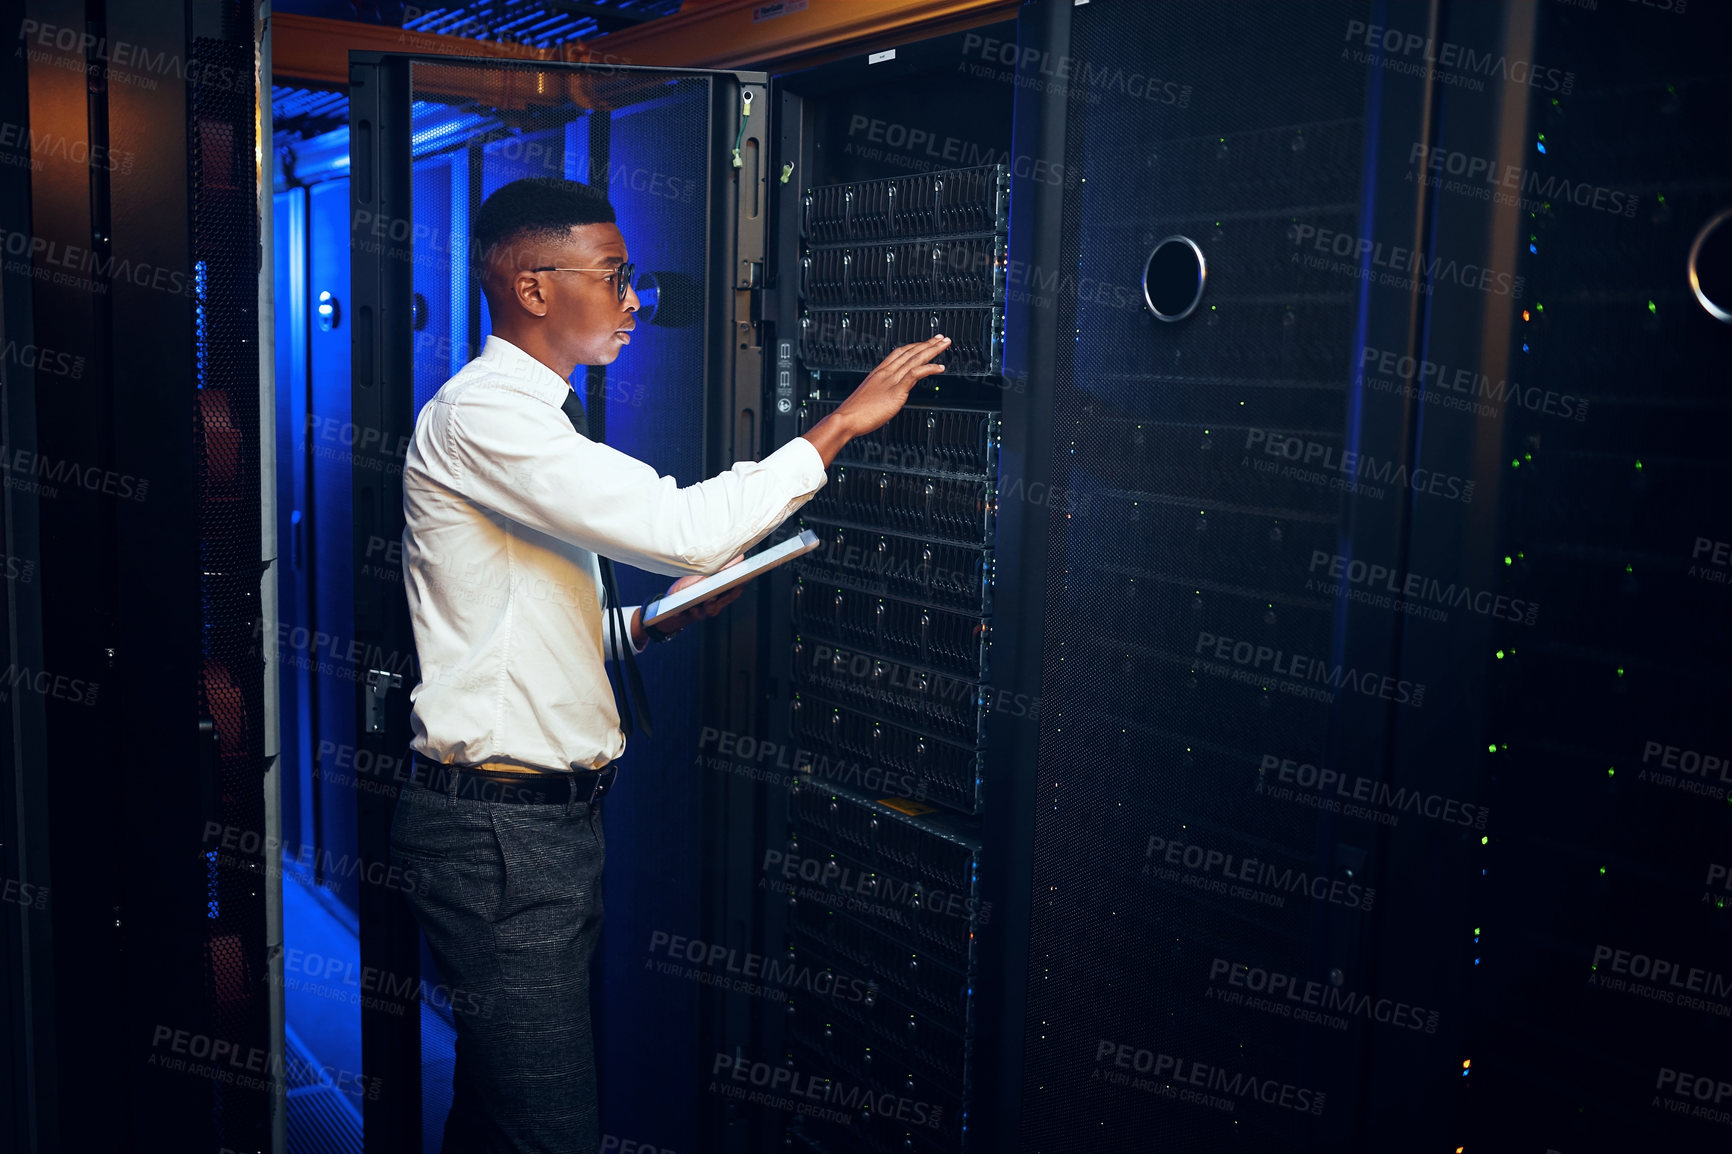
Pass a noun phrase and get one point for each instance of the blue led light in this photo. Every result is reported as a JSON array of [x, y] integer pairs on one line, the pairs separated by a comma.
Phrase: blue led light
[[201, 319]]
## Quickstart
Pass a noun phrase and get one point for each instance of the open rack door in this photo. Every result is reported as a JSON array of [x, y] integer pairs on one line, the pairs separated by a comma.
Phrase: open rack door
[[431, 138]]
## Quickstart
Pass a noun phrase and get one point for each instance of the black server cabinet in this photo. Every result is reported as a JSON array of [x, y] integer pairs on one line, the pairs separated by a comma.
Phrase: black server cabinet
[[886, 870], [1264, 693], [1386, 813]]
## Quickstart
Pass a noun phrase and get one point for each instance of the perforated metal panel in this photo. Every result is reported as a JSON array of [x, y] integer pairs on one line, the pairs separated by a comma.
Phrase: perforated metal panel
[[1352, 781], [1152, 742], [225, 247]]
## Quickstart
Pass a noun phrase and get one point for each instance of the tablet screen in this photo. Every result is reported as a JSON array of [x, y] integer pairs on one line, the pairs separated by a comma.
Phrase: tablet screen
[[728, 578]]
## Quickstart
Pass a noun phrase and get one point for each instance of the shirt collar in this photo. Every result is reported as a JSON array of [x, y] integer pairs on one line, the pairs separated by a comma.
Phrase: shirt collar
[[537, 379]]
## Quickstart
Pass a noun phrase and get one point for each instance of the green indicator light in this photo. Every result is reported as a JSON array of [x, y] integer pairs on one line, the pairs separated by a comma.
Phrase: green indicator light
[[1515, 462], [1542, 136], [1538, 307], [1602, 869], [1620, 671], [1629, 568], [1492, 748], [1500, 655], [1651, 307], [1507, 561], [1476, 929], [1611, 771], [1485, 840], [1638, 462]]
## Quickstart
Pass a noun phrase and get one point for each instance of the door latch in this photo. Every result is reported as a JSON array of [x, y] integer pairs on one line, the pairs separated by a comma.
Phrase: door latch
[[379, 683]]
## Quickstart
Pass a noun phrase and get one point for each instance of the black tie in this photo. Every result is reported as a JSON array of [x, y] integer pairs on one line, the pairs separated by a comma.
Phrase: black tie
[[633, 706]]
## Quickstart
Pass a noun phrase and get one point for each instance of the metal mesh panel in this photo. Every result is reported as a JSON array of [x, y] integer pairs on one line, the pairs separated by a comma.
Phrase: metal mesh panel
[[225, 246], [1394, 551], [1139, 737]]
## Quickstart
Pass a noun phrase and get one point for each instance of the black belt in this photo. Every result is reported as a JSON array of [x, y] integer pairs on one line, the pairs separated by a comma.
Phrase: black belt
[[505, 787]]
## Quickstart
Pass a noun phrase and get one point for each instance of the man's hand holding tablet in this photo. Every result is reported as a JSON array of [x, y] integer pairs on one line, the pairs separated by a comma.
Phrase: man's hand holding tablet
[[692, 598], [668, 626]]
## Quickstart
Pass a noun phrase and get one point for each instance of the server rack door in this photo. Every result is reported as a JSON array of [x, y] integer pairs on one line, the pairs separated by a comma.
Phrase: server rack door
[[324, 652], [1586, 953], [1382, 817], [289, 221], [1192, 658], [431, 139]]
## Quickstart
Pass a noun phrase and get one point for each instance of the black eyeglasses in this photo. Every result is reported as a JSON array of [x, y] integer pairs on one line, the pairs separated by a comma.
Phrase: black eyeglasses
[[622, 275]]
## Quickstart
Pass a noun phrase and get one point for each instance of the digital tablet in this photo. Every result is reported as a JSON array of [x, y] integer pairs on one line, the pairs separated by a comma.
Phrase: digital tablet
[[731, 576]]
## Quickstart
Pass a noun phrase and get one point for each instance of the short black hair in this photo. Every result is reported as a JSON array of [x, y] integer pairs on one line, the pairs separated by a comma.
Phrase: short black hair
[[536, 208]]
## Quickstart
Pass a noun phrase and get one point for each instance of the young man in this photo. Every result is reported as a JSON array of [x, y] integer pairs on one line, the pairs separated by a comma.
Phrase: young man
[[508, 506]]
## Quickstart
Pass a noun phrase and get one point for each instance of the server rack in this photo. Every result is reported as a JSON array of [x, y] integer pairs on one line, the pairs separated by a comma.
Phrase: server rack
[[1497, 791], [971, 871], [890, 661], [886, 645]]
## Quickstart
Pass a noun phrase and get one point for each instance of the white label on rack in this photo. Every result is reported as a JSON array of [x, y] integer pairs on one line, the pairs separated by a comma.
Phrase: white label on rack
[[881, 57]]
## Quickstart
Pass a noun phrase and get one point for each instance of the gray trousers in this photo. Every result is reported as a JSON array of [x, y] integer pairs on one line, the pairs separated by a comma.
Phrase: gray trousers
[[509, 898]]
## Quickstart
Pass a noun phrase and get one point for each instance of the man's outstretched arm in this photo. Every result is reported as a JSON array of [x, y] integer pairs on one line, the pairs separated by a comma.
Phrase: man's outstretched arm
[[531, 466]]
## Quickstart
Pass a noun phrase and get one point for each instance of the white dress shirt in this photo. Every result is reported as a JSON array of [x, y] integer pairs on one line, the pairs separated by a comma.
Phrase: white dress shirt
[[506, 507]]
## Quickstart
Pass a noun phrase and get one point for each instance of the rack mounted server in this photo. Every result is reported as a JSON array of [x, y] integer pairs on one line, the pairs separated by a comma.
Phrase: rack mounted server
[[890, 661]]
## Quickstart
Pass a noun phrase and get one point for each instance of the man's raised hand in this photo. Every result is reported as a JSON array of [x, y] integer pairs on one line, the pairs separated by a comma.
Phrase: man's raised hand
[[877, 398]]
